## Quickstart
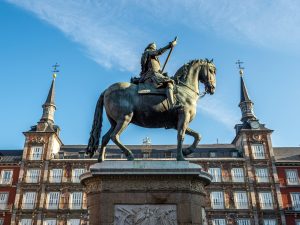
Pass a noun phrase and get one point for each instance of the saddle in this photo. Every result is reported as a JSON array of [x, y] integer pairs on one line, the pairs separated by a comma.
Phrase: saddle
[[145, 88]]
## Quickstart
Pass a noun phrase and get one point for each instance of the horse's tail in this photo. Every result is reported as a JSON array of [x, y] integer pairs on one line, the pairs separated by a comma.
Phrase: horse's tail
[[96, 129]]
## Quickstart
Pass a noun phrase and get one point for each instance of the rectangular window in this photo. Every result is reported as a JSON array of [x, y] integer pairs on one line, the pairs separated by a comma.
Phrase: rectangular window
[[217, 199], [258, 151], [218, 222], [25, 222], [295, 197], [6, 177], [1, 221], [36, 153], [292, 177], [297, 222], [216, 174], [3, 200], [53, 200], [237, 174], [76, 173], [241, 200], [73, 222], [56, 175], [262, 175], [76, 200], [33, 175], [49, 222], [243, 222], [28, 200], [266, 200], [269, 222]]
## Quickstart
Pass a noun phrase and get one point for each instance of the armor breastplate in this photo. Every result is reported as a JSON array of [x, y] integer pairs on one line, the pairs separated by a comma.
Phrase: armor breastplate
[[155, 64]]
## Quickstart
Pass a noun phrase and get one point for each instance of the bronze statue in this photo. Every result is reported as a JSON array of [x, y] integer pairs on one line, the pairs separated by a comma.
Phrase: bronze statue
[[151, 71], [125, 104]]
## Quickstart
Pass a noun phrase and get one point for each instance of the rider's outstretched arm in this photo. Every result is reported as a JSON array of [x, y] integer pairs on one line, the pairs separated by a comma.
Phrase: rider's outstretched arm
[[160, 51]]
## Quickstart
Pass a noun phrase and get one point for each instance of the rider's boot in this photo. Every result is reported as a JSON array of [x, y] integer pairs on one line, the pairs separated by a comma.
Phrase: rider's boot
[[170, 96]]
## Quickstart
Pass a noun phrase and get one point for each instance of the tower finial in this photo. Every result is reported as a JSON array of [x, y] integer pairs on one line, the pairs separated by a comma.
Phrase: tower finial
[[241, 69], [55, 70]]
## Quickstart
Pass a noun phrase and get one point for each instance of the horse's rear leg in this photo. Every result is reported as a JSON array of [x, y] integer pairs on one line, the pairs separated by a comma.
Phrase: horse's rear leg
[[104, 142], [197, 138], [115, 136]]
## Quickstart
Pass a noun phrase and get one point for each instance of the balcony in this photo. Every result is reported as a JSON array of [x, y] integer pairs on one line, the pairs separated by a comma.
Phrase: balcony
[[5, 207], [269, 205], [4, 182], [28, 205], [241, 205]]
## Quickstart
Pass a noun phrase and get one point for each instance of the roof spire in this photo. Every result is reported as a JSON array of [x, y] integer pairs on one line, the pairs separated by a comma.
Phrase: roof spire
[[49, 105], [246, 104]]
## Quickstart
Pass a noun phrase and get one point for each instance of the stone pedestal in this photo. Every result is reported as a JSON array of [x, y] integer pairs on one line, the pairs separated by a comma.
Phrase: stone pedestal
[[146, 193]]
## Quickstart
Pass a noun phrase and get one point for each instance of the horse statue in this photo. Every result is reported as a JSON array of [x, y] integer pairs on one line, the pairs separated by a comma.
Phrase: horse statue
[[124, 105]]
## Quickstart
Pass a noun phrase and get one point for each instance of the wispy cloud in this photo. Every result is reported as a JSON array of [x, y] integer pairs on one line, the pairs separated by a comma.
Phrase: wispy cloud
[[114, 32], [217, 109]]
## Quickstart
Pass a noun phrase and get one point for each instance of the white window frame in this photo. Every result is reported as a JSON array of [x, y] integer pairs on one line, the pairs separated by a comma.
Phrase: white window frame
[[73, 222], [28, 201], [216, 174], [295, 199], [244, 221], [50, 221], [270, 222], [258, 151], [266, 200], [237, 174], [3, 200], [53, 200], [33, 175], [292, 177], [219, 221], [56, 175], [76, 172], [5, 180], [36, 152], [217, 200], [25, 222], [262, 175], [76, 200], [241, 200]]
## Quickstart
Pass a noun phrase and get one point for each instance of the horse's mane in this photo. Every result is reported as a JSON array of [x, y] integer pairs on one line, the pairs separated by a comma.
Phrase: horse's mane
[[182, 72]]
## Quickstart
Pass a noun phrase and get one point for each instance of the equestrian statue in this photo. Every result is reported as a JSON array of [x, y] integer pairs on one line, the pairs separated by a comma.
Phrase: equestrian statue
[[154, 100]]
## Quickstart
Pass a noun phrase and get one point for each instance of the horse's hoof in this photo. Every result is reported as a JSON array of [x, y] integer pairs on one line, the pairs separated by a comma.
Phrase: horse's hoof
[[187, 151], [180, 158], [130, 157]]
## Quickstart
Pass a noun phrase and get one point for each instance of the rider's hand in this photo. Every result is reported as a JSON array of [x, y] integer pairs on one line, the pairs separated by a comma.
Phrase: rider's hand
[[173, 43]]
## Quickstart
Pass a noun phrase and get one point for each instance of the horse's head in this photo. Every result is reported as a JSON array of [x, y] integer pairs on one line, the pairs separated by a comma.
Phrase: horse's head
[[207, 76]]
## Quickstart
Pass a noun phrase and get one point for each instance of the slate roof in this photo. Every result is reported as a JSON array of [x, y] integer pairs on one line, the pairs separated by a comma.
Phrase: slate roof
[[287, 154], [10, 156]]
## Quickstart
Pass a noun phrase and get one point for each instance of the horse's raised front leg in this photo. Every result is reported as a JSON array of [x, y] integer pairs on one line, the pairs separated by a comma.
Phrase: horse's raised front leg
[[115, 136], [183, 121], [197, 138]]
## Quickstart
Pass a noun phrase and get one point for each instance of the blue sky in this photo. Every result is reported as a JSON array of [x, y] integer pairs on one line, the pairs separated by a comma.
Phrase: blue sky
[[98, 43]]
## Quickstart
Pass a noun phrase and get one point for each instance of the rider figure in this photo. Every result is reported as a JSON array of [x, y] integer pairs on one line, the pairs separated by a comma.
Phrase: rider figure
[[151, 71]]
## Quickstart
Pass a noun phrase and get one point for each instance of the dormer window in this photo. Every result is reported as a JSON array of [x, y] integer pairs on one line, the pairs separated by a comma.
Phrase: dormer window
[[258, 151], [212, 154]]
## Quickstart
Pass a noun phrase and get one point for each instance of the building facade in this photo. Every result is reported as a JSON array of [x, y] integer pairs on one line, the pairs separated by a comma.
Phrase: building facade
[[288, 168], [9, 175], [253, 183]]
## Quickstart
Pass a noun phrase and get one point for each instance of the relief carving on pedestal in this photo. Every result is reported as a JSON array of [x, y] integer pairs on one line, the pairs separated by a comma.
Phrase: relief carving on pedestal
[[145, 215]]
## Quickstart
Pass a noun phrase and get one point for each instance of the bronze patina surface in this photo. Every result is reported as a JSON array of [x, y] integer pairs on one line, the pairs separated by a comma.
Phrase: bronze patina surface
[[124, 105]]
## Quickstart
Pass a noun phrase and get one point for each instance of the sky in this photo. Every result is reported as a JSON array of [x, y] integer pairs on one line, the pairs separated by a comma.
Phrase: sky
[[98, 43]]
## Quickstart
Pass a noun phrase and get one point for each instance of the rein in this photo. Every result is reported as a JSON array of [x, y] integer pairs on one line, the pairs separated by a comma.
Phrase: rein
[[201, 95]]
